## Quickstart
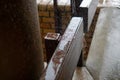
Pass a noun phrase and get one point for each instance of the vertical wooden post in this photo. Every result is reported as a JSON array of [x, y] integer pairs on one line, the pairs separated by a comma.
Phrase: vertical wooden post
[[58, 18], [20, 45], [51, 42]]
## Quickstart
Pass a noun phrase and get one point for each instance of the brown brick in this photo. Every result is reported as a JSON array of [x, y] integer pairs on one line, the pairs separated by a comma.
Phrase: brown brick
[[51, 13], [45, 25], [65, 20], [50, 7], [63, 14], [68, 8], [52, 26], [41, 31], [68, 14], [44, 13], [49, 20], [62, 8], [40, 20], [48, 30]]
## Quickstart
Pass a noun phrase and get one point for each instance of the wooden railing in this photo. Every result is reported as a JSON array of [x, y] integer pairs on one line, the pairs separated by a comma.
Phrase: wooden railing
[[67, 53], [69, 50], [58, 18]]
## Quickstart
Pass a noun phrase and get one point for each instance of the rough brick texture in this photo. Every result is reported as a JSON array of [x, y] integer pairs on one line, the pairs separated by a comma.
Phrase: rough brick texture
[[46, 16]]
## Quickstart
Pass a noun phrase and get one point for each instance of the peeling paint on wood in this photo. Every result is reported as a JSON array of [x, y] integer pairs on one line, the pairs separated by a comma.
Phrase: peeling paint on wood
[[63, 53]]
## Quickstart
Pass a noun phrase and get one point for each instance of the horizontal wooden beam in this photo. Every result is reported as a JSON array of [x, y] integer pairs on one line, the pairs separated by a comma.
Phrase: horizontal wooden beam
[[67, 53]]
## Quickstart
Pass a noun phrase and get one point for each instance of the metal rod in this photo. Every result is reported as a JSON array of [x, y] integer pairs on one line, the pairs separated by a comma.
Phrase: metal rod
[[58, 18], [75, 7]]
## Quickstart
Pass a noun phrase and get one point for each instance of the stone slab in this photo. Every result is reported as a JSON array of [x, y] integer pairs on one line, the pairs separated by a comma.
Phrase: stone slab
[[104, 56]]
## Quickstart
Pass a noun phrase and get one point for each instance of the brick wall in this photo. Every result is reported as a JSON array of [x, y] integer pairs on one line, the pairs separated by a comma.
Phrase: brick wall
[[47, 23], [46, 16]]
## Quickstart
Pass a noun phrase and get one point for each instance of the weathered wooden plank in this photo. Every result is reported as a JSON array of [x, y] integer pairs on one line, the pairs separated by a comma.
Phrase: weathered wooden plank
[[87, 11], [104, 57], [66, 56]]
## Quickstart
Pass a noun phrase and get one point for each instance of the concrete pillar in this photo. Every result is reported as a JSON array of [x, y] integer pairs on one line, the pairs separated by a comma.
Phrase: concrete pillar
[[20, 45]]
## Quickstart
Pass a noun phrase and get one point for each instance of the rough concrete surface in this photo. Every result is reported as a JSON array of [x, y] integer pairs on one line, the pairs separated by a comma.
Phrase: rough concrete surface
[[104, 57]]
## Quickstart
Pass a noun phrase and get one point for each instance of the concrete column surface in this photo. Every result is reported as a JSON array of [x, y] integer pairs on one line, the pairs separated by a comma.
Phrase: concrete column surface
[[20, 45]]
